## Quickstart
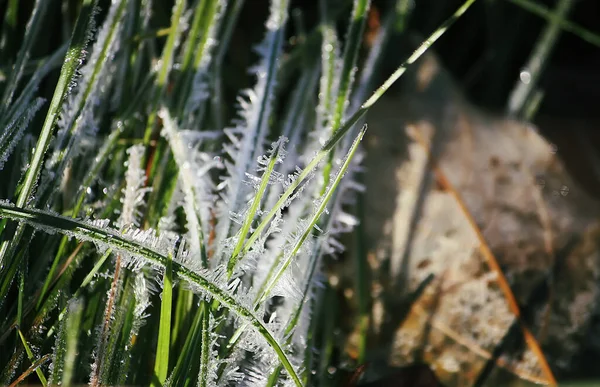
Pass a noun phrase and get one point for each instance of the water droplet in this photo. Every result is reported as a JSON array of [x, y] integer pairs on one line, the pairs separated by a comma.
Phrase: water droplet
[[331, 370], [541, 182], [105, 191], [328, 48], [88, 190], [564, 190], [525, 76], [553, 148]]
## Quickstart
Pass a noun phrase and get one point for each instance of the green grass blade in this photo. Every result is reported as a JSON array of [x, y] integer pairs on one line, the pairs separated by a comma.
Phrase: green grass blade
[[274, 158], [308, 230], [161, 365], [189, 182], [358, 114], [205, 352], [351, 48], [543, 12], [72, 60], [118, 242], [32, 358], [165, 67], [528, 78]]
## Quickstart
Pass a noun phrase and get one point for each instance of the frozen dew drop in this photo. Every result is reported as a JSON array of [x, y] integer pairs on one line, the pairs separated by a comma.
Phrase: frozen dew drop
[[525, 76], [541, 182]]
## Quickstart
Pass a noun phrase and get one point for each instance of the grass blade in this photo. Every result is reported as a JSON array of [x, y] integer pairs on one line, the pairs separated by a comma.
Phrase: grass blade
[[32, 358], [118, 242], [161, 365]]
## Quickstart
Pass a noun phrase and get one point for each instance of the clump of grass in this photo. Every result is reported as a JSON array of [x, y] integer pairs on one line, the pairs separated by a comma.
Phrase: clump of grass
[[134, 250]]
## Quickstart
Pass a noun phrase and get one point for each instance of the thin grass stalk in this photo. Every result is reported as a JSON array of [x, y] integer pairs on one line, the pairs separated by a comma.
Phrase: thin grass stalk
[[33, 368], [32, 358], [537, 9], [532, 71], [161, 364], [346, 77], [254, 206]]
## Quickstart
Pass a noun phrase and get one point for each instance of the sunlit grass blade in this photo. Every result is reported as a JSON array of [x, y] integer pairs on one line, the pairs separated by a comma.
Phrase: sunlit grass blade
[[536, 8], [308, 230], [356, 116], [532, 71], [65, 347], [350, 56], [161, 364], [32, 358], [269, 166], [191, 185], [205, 352], [118, 242]]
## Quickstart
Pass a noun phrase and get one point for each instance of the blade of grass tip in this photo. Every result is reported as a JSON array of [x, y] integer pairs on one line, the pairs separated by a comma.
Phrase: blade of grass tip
[[358, 114], [324, 200], [530, 74], [72, 61], [32, 359], [115, 240], [260, 192], [346, 77], [166, 62], [34, 367], [161, 364], [31, 31], [543, 12]]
